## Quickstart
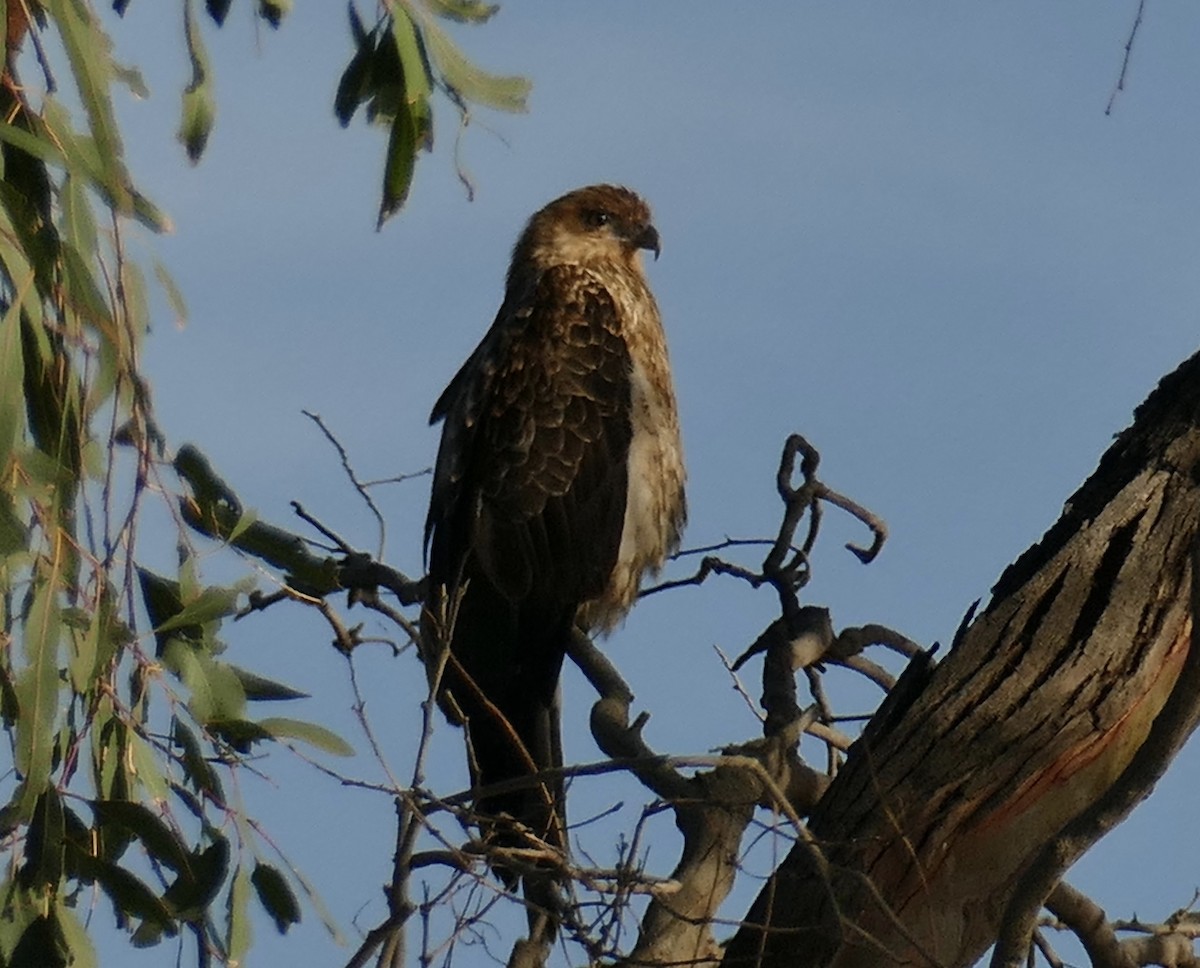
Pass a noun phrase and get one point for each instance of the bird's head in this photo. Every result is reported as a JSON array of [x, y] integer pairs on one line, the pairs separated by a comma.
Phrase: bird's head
[[597, 224]]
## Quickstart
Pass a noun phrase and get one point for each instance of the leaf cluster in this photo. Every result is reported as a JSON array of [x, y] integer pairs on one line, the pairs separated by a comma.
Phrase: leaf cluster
[[125, 722]]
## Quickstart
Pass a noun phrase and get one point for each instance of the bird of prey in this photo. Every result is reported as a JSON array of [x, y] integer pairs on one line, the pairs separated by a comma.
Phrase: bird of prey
[[558, 484]]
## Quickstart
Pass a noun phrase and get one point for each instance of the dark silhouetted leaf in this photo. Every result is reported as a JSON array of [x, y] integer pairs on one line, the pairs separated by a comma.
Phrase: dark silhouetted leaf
[[275, 895], [43, 867], [218, 10], [241, 734], [80, 951], [196, 768], [260, 689], [41, 946], [161, 598], [194, 889], [129, 894], [273, 11], [13, 536], [354, 86], [160, 841]]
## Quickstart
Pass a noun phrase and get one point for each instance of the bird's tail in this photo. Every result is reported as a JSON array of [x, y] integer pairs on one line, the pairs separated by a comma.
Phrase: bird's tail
[[515, 740], [512, 742]]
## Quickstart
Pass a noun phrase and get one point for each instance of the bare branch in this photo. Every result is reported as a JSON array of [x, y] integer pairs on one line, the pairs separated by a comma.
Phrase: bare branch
[[1133, 32]]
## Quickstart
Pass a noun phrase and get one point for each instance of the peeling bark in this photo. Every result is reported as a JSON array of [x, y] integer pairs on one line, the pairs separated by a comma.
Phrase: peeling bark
[[1043, 703]]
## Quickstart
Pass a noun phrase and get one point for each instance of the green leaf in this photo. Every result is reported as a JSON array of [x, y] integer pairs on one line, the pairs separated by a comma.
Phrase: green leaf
[[198, 113], [80, 951], [12, 382], [239, 934], [147, 769], [132, 78], [37, 691], [108, 752], [89, 51], [464, 11], [504, 93], [199, 108], [216, 691], [276, 897], [258, 689], [211, 604], [13, 535], [414, 66], [160, 841], [400, 165], [20, 909], [318, 736], [173, 293], [35, 144]]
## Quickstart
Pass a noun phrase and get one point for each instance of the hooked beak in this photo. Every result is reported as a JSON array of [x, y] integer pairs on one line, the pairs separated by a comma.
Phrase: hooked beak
[[648, 239]]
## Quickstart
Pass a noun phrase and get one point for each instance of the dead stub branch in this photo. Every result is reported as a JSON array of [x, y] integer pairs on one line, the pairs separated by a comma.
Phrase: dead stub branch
[[1037, 734]]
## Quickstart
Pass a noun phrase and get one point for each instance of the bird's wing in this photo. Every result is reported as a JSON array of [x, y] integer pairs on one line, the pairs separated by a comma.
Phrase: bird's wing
[[532, 475]]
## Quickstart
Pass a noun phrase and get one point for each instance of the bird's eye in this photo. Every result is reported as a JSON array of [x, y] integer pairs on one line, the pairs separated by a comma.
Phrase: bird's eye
[[596, 219]]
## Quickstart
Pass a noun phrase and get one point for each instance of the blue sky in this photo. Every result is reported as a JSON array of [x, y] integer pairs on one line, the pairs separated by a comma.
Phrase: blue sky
[[907, 231]]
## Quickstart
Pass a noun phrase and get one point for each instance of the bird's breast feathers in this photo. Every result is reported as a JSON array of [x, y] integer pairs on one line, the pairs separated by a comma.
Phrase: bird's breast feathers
[[655, 510]]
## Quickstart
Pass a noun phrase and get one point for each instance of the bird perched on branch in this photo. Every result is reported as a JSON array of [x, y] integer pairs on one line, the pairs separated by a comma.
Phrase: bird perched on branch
[[559, 483]]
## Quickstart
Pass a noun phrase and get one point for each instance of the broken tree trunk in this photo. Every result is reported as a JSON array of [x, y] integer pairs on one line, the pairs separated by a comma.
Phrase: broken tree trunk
[[978, 782]]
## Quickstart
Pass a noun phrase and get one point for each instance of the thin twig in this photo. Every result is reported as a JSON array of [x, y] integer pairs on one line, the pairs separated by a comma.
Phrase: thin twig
[[358, 485], [1133, 32]]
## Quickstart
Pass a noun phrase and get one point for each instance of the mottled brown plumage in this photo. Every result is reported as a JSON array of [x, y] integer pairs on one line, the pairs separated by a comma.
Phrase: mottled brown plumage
[[559, 483]]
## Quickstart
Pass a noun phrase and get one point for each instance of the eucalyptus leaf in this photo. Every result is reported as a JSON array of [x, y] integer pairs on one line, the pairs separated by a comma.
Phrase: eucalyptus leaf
[[212, 603], [464, 11], [239, 933], [37, 691], [196, 768], [218, 10], [160, 841], [276, 896], [472, 83], [193, 890], [260, 689], [414, 65], [80, 951], [128, 892], [318, 736], [399, 166], [273, 11]]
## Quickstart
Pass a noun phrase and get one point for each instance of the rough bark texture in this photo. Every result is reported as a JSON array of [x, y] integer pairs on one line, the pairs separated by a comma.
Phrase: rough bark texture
[[966, 774]]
